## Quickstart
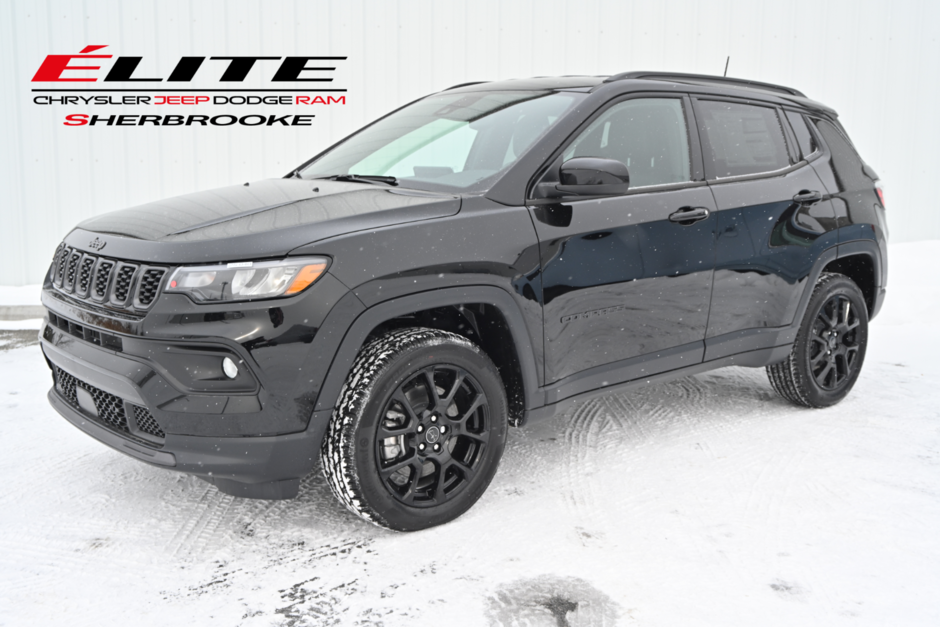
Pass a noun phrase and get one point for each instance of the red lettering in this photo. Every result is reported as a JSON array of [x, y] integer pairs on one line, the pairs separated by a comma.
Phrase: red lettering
[[332, 100], [76, 119], [54, 64]]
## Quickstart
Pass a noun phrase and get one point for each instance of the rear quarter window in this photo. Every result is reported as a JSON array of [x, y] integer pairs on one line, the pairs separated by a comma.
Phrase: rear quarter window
[[804, 138], [741, 139], [847, 166]]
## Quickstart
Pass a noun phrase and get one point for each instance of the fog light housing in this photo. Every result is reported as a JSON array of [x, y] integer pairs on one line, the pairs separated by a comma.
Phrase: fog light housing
[[229, 368]]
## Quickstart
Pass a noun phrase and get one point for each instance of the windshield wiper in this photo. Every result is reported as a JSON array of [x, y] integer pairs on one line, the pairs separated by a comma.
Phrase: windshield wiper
[[362, 178]]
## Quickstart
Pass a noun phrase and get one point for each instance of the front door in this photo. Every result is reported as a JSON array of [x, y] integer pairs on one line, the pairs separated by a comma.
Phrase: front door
[[626, 280]]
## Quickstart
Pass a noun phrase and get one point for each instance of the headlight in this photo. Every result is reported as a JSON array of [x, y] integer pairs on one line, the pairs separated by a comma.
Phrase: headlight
[[247, 280]]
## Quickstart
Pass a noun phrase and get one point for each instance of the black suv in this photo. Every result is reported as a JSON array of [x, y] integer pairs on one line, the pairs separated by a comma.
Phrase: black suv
[[477, 258]]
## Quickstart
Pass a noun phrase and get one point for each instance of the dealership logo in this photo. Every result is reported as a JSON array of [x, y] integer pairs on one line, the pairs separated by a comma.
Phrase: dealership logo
[[58, 68], [290, 81]]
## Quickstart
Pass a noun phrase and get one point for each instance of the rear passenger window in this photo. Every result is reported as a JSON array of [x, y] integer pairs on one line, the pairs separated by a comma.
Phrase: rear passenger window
[[804, 138], [648, 135], [742, 139]]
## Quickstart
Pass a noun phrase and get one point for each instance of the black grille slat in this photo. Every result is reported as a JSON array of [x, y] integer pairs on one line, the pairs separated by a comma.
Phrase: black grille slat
[[84, 275], [149, 285], [146, 423], [58, 263], [122, 282], [71, 269], [102, 276]]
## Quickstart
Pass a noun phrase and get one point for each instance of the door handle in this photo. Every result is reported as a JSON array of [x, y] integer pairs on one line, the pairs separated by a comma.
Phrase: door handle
[[806, 197], [689, 215]]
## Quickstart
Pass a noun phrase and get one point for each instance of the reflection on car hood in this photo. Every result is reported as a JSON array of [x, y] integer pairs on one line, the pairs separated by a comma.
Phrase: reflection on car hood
[[271, 205]]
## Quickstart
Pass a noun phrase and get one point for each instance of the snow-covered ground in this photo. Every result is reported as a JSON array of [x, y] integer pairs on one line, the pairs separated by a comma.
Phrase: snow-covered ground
[[707, 501]]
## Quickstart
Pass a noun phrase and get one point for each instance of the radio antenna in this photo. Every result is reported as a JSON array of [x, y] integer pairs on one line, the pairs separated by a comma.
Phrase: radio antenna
[[727, 61]]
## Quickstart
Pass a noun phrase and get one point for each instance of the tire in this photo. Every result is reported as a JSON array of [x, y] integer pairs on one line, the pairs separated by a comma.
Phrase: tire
[[829, 350], [403, 453]]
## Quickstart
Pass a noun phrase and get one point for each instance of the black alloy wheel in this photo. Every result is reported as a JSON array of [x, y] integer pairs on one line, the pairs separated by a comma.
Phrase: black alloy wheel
[[418, 430], [834, 343], [433, 435], [829, 350]]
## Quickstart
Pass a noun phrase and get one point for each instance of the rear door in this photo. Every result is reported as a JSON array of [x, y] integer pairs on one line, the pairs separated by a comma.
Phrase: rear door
[[774, 219], [625, 289]]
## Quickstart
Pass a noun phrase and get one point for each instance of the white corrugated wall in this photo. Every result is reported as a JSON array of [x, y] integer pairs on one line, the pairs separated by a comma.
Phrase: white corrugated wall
[[877, 63]]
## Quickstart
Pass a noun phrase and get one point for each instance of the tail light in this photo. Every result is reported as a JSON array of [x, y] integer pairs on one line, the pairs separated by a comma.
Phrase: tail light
[[880, 190]]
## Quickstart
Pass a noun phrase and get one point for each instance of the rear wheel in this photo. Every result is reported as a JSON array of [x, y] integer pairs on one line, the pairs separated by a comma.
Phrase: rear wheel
[[418, 431], [829, 350]]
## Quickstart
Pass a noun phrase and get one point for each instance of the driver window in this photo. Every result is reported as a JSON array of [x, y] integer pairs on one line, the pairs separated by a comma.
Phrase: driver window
[[648, 135]]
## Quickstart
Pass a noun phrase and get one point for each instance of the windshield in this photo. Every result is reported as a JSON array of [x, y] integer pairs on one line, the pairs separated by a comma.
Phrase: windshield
[[448, 142]]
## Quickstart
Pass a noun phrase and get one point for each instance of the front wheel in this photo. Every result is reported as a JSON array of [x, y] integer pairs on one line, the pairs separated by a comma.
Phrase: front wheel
[[418, 431], [829, 350]]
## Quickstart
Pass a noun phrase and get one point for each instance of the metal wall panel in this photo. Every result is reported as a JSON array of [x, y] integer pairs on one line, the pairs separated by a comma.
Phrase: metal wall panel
[[875, 62]]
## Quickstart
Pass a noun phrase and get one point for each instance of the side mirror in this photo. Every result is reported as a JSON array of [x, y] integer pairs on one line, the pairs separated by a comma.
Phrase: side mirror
[[593, 176]]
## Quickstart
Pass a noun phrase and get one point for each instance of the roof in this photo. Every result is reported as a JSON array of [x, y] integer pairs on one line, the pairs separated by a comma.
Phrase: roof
[[709, 83], [707, 80], [537, 83]]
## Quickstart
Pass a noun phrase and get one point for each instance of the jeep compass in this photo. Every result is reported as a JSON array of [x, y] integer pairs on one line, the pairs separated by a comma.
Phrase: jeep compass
[[483, 256]]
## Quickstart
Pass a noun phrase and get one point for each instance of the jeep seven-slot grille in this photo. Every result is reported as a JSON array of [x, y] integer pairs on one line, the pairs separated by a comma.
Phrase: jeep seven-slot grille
[[110, 410], [106, 282]]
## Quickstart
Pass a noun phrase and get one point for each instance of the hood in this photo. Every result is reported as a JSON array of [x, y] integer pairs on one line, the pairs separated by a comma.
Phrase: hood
[[263, 218]]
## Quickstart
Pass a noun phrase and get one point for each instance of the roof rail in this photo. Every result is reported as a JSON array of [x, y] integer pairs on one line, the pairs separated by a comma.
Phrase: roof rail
[[705, 78], [465, 85]]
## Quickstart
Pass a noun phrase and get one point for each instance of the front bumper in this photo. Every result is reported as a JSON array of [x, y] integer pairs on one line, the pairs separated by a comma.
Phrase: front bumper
[[255, 467], [120, 393]]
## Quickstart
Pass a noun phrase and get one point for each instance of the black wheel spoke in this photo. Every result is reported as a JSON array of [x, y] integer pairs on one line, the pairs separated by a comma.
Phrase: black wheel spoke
[[464, 469], [458, 381], [416, 471], [475, 405], [832, 319], [399, 396], [397, 465], [480, 438], [824, 374], [433, 396], [437, 493]]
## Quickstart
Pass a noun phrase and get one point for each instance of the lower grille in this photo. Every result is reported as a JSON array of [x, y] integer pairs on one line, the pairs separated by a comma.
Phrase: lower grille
[[111, 409], [146, 423]]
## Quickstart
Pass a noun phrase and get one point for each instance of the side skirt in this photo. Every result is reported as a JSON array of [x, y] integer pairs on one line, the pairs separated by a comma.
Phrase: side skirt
[[751, 359]]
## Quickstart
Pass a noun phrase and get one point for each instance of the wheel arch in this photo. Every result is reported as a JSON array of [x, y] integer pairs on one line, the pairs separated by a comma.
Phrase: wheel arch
[[861, 261], [499, 330]]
